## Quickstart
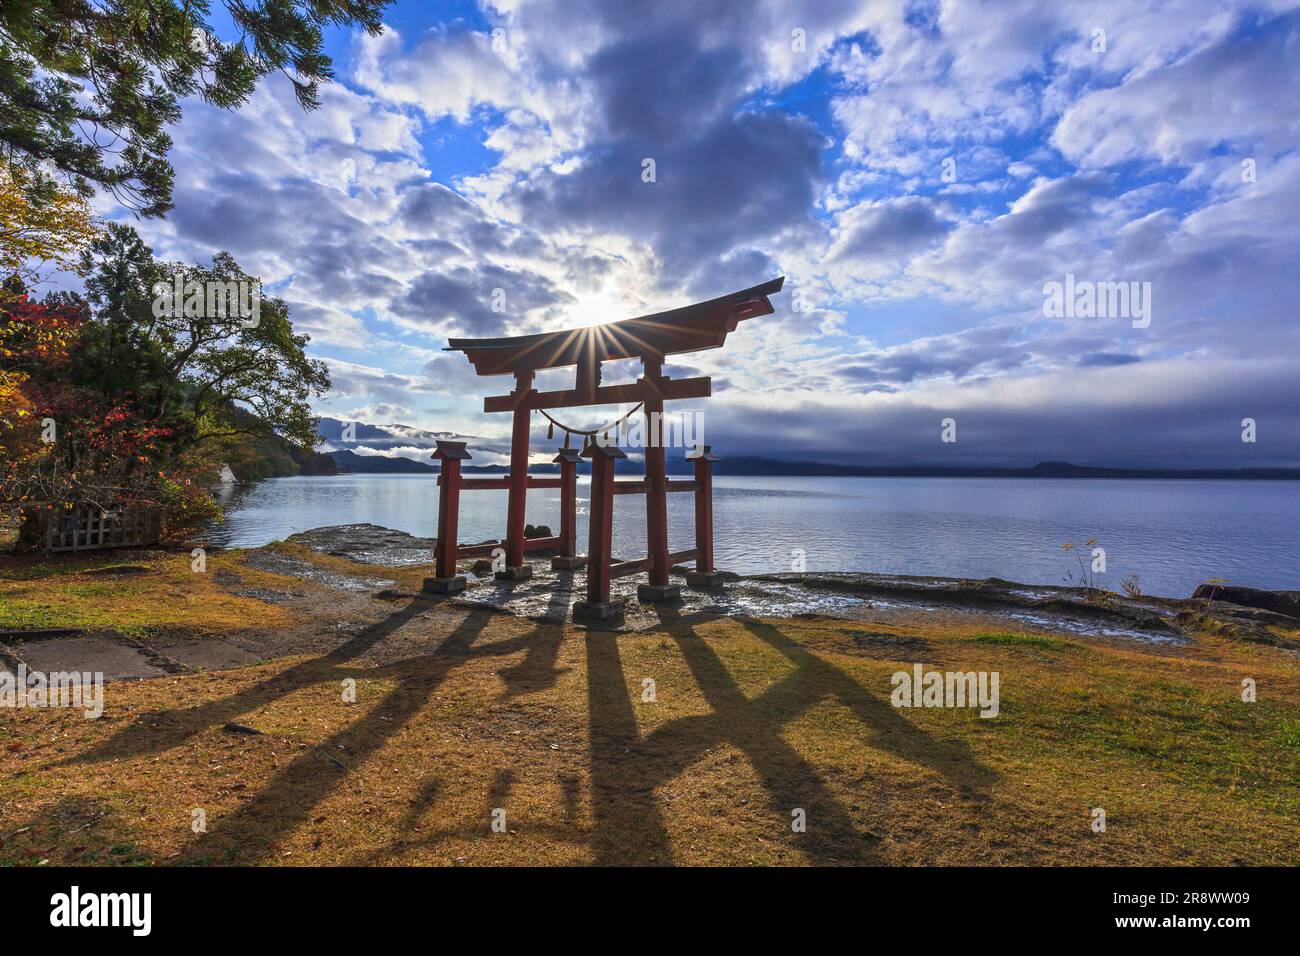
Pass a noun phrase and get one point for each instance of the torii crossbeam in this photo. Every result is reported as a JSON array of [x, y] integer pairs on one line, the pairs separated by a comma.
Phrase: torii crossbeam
[[650, 338]]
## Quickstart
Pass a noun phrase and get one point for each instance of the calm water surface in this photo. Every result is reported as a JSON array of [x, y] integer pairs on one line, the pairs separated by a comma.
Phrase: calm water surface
[[1172, 534]]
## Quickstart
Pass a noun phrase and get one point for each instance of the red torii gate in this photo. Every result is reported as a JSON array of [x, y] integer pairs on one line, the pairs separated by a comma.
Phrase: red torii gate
[[650, 338]]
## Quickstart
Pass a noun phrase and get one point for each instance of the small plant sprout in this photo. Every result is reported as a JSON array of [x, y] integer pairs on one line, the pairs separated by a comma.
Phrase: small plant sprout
[[1088, 570], [1214, 585]]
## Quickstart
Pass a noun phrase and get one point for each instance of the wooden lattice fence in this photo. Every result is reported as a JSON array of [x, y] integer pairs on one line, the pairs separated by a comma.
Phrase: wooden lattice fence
[[91, 528]]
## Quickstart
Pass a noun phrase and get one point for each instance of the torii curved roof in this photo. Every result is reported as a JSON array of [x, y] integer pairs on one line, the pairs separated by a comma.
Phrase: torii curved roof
[[691, 328]]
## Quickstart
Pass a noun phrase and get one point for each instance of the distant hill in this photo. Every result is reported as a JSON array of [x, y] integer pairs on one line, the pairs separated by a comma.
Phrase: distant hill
[[406, 437], [393, 436], [743, 466], [350, 461], [1047, 469]]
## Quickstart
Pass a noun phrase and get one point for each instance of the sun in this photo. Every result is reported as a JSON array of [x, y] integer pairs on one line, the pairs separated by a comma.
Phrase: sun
[[597, 309]]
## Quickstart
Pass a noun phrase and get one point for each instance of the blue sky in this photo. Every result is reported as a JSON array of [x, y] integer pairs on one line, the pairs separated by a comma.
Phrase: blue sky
[[918, 171]]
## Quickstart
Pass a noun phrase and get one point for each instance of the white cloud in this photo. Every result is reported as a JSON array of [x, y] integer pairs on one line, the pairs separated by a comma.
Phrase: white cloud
[[1119, 164]]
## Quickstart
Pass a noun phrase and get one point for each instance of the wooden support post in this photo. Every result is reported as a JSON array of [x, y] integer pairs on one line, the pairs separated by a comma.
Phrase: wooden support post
[[446, 581], [516, 509], [656, 497], [587, 374], [704, 510], [598, 606], [705, 574], [568, 558]]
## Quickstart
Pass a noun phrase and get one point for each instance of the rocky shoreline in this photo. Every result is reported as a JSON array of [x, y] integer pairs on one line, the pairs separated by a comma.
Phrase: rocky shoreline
[[362, 562], [1234, 612]]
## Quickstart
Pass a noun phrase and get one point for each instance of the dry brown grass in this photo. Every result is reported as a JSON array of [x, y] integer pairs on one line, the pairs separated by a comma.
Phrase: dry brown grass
[[88, 591], [461, 712]]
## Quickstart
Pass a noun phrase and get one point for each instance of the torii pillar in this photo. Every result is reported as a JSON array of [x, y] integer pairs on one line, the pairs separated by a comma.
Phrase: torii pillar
[[568, 559], [516, 568], [600, 526], [446, 581], [705, 574], [657, 587]]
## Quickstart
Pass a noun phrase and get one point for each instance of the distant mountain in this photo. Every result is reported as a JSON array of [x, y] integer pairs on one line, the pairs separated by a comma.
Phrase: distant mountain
[[1047, 469], [405, 437], [743, 465], [379, 464], [385, 437]]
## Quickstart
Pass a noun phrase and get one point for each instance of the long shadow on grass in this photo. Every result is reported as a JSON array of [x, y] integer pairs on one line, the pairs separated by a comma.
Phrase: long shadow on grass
[[159, 731], [626, 767], [815, 678], [289, 797], [536, 671], [287, 801]]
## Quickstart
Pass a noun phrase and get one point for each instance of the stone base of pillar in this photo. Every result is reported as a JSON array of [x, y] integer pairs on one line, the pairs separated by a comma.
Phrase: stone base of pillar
[[704, 579], [657, 593], [561, 563], [450, 585], [521, 573], [594, 612]]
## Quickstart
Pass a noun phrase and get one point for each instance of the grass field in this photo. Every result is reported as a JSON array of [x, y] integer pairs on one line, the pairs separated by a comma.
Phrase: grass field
[[460, 714]]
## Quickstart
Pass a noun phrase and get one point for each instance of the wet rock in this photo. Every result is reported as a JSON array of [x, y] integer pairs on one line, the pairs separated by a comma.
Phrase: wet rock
[[1226, 614], [1279, 602], [279, 563], [1045, 601], [539, 531], [729, 577], [369, 544], [1237, 624]]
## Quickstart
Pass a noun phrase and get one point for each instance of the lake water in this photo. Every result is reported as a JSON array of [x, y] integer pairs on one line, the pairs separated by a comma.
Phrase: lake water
[[1172, 534]]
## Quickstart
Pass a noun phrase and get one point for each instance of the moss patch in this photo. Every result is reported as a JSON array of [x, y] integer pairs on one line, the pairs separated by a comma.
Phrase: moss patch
[[161, 591]]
